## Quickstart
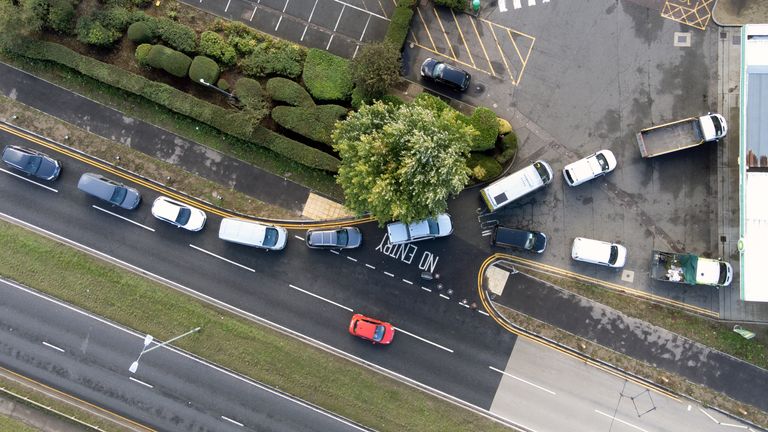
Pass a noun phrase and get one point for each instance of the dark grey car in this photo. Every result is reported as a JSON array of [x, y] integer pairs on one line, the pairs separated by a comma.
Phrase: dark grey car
[[445, 74], [32, 162], [109, 190], [337, 238], [530, 241]]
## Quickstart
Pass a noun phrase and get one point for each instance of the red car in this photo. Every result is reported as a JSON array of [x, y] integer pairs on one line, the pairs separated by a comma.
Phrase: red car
[[371, 329]]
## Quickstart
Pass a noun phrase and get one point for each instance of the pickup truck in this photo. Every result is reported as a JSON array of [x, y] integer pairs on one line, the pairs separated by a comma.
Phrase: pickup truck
[[690, 269], [681, 134]]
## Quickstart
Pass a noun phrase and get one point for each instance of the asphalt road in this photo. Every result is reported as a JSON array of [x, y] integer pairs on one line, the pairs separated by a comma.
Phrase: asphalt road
[[88, 357]]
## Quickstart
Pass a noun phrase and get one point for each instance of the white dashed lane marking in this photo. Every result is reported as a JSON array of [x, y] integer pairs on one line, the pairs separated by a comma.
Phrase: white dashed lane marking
[[320, 297]]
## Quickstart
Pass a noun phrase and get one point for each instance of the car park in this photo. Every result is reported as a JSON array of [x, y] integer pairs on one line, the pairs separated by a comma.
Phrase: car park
[[524, 240], [591, 167], [439, 226], [254, 234], [517, 185], [32, 162], [446, 74], [376, 331], [109, 190], [599, 252], [178, 214], [334, 238]]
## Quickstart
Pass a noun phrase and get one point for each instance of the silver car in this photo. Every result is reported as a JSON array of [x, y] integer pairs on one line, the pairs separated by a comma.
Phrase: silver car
[[336, 238], [110, 191], [32, 162]]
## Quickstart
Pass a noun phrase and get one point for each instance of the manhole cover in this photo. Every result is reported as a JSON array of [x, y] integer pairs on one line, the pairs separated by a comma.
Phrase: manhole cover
[[682, 39], [628, 276]]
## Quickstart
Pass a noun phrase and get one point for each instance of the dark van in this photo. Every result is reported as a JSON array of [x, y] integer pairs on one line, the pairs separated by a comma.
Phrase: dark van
[[530, 241]]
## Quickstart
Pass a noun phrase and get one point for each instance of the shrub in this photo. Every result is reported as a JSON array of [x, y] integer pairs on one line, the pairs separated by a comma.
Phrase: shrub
[[142, 51], [430, 102], [250, 93], [274, 59], [504, 126], [399, 26], [91, 32], [177, 64], [61, 16], [157, 56], [223, 84], [376, 69], [358, 98], [204, 68], [139, 32], [141, 3], [213, 45], [177, 36], [484, 121], [290, 92], [483, 167], [315, 123], [392, 100], [326, 76], [457, 5], [508, 148], [115, 18]]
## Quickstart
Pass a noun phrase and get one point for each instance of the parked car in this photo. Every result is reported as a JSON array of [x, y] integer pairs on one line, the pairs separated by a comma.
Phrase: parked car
[[530, 241], [371, 329], [591, 167], [109, 190], [179, 214], [598, 252], [444, 73], [32, 162], [517, 185], [439, 226], [254, 234], [335, 238]]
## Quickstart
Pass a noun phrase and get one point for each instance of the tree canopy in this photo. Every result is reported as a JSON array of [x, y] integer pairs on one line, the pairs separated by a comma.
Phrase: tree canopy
[[402, 162]]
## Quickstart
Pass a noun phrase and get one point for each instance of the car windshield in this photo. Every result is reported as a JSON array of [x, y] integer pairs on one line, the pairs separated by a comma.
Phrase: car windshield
[[614, 255], [33, 163], [602, 161], [723, 274], [342, 237], [183, 217], [434, 228], [543, 173], [718, 126], [438, 70], [270, 237], [118, 195], [529, 241], [378, 334]]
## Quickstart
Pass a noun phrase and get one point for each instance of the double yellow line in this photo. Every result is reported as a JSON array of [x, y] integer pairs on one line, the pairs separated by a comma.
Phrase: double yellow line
[[540, 340], [160, 189]]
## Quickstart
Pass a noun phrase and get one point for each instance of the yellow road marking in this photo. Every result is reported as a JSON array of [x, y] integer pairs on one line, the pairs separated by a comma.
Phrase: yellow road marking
[[482, 45], [439, 21], [429, 34], [503, 57], [454, 60], [523, 60], [149, 185], [461, 33]]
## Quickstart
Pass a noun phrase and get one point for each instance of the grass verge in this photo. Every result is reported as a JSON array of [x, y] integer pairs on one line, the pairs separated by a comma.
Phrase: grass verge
[[327, 380], [10, 425]]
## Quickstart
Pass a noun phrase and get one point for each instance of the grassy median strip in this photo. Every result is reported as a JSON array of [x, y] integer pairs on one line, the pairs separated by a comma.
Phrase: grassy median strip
[[327, 380], [9, 424]]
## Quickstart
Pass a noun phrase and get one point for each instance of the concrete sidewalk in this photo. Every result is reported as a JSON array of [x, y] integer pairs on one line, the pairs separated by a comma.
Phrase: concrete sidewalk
[[636, 338]]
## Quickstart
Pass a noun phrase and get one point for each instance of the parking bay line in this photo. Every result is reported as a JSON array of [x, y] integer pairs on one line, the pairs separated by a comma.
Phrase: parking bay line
[[221, 258], [321, 298], [423, 340], [520, 379], [620, 421], [123, 218], [31, 181]]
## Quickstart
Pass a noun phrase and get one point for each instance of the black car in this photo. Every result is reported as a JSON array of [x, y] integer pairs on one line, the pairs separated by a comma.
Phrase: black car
[[445, 74], [334, 238], [32, 162], [530, 241]]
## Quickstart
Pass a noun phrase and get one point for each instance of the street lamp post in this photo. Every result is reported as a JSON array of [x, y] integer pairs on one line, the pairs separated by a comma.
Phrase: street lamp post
[[222, 91], [148, 340]]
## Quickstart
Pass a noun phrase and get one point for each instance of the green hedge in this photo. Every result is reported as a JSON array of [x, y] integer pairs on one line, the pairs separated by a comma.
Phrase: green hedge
[[140, 32], [483, 167], [457, 5], [274, 59], [204, 68], [92, 32], [178, 36], [142, 52], [484, 121], [171, 61], [213, 45], [508, 148], [327, 76], [288, 91], [315, 123], [399, 25], [61, 16], [432, 103], [250, 93], [231, 122]]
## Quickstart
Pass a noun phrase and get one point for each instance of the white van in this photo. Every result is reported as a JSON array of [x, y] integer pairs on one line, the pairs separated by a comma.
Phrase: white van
[[253, 234], [516, 185], [599, 252]]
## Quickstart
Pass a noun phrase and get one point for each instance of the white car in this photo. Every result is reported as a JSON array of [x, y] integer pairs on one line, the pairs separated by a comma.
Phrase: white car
[[439, 226], [599, 252], [591, 167], [179, 214]]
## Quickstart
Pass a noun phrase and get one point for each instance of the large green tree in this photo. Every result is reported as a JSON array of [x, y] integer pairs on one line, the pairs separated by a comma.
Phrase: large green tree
[[402, 162], [376, 69], [16, 23]]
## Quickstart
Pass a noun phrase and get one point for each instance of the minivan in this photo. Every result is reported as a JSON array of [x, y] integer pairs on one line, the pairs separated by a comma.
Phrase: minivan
[[530, 241], [253, 234], [109, 190], [517, 185]]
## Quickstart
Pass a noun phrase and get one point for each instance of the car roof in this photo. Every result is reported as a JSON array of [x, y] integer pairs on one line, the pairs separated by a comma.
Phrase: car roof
[[97, 185], [324, 237], [166, 209]]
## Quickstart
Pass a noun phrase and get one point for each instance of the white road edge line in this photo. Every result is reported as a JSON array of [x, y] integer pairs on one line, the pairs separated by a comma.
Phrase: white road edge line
[[321, 298], [520, 379], [140, 382], [53, 346], [221, 258], [424, 340], [483, 312], [123, 218], [620, 421], [31, 181], [227, 7], [710, 417], [248, 315], [351, 259], [278, 22], [389, 274], [426, 289], [407, 281], [232, 421], [370, 266]]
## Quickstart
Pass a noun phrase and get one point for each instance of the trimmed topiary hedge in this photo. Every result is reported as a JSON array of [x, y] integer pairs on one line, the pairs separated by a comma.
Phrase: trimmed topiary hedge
[[177, 36], [399, 25], [274, 58], [290, 92], [457, 5], [508, 148], [204, 68], [142, 51], [483, 167], [213, 45], [327, 76], [315, 123], [171, 61], [235, 123], [250, 93], [484, 121], [140, 32]]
